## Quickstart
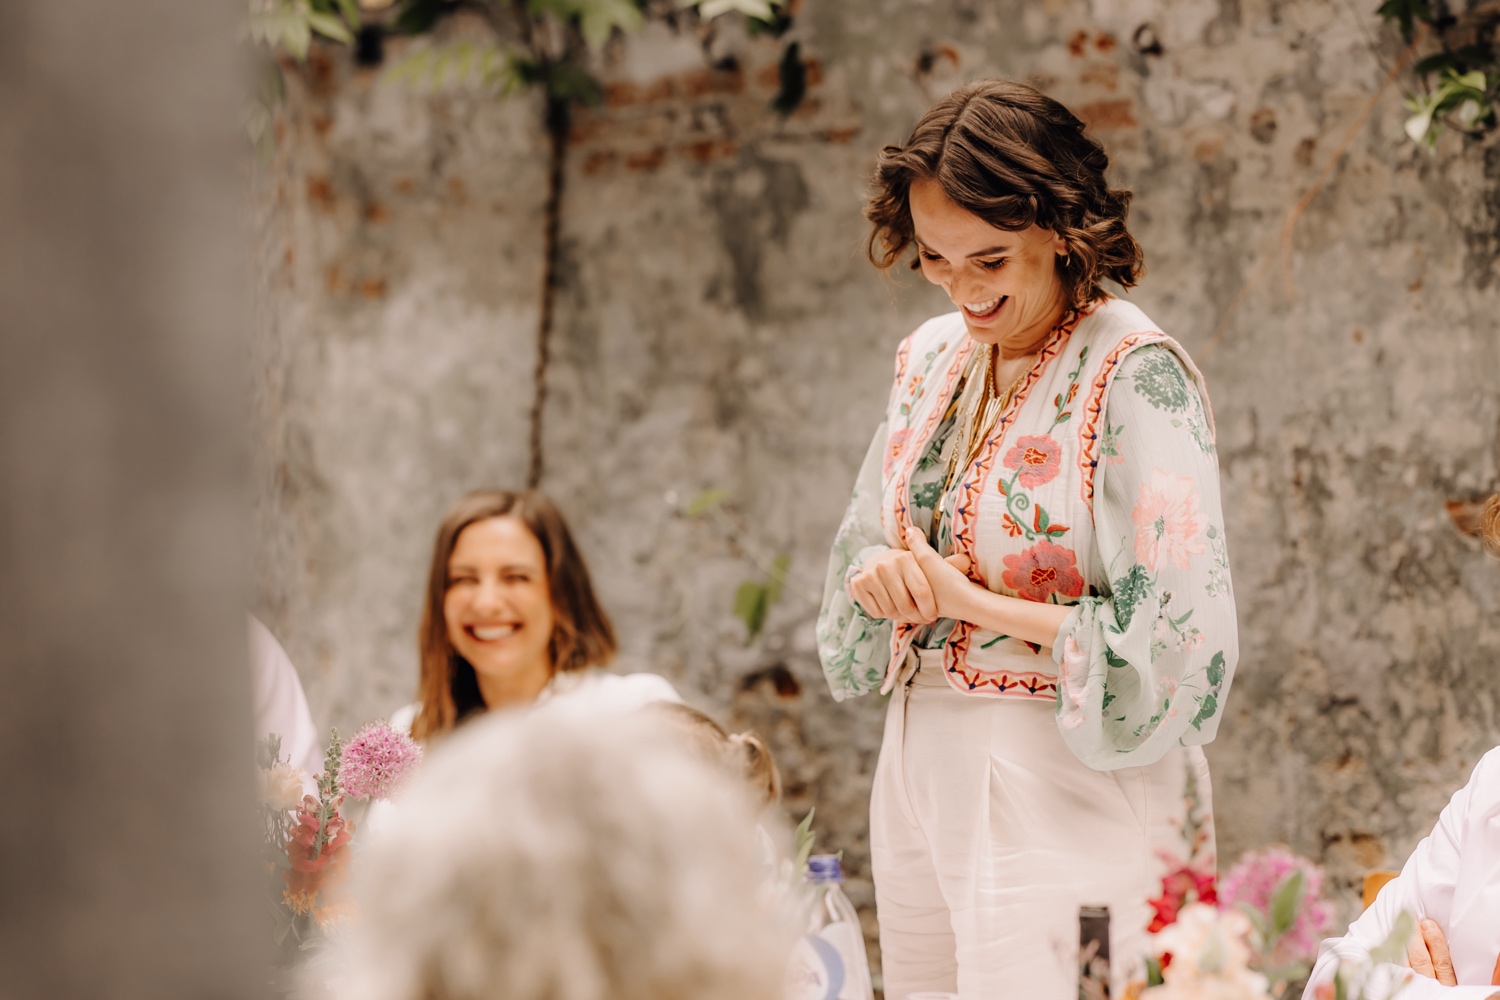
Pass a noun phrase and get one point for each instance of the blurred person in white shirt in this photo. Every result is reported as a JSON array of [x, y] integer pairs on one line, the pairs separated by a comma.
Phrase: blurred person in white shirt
[[1451, 887]]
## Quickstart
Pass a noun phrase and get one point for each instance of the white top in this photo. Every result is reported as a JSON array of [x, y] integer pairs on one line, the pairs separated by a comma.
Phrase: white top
[[280, 705], [589, 691], [1453, 877]]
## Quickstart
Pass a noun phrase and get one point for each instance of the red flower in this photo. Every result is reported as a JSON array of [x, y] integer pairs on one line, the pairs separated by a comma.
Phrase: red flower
[[1038, 457], [1012, 529], [311, 866], [1043, 570], [1178, 888]]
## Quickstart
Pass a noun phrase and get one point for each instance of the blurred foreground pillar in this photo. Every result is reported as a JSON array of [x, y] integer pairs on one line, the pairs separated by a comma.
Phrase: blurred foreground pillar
[[126, 865]]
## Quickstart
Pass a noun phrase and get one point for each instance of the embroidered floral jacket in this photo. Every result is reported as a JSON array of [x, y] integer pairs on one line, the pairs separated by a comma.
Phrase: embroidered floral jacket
[[1098, 489]]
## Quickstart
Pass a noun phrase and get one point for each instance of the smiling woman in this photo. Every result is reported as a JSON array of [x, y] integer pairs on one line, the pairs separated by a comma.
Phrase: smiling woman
[[1033, 561], [511, 619]]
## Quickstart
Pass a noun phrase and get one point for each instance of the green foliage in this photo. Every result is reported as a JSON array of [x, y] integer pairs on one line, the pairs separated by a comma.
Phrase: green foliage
[[753, 601], [1406, 13], [1286, 901], [1461, 99], [462, 63], [596, 20], [802, 841], [1459, 89], [704, 502], [289, 25]]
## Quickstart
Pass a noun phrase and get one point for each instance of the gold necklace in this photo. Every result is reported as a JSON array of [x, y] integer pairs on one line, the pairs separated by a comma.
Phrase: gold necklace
[[978, 408]]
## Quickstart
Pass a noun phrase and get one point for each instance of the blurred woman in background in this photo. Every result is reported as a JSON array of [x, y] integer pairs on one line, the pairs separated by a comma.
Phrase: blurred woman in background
[[511, 620]]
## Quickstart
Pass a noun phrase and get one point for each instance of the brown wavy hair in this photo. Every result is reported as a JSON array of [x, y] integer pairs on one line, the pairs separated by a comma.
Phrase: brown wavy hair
[[1014, 157], [582, 635]]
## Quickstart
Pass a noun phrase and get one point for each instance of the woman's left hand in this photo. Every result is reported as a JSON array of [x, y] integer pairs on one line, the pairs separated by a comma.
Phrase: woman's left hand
[[948, 578]]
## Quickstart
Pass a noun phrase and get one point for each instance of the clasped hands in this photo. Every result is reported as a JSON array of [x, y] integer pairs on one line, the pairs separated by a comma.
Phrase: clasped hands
[[1427, 953], [915, 585]]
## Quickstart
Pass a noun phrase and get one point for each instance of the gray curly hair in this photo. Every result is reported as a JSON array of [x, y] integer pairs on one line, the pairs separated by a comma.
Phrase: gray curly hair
[[542, 857]]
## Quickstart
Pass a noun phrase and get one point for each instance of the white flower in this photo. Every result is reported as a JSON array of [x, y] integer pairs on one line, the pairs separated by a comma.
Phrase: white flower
[[281, 785], [1210, 958]]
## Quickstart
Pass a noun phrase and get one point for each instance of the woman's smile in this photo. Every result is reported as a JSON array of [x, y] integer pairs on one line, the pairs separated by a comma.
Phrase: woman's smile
[[981, 311], [492, 633]]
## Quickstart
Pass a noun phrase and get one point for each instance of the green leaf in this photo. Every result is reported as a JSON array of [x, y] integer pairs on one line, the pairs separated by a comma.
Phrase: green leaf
[[413, 68], [599, 19], [705, 502], [1129, 591], [350, 10], [1286, 901], [1257, 919], [1393, 948], [1406, 13], [282, 27], [777, 581], [1216, 669], [750, 606], [1207, 707], [330, 27], [1153, 972], [803, 840]]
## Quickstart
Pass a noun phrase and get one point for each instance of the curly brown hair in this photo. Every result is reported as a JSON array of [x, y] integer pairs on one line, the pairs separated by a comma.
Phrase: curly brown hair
[[1014, 157]]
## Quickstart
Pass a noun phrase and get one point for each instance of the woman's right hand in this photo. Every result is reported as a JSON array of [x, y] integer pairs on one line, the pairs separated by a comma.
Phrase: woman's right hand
[[892, 585]]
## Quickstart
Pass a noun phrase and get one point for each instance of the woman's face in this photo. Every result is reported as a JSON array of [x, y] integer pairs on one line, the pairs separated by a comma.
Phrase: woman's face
[[1004, 283], [498, 608]]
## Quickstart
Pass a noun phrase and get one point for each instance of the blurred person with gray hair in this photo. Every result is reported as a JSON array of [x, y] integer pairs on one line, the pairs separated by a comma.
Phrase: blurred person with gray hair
[[553, 856]]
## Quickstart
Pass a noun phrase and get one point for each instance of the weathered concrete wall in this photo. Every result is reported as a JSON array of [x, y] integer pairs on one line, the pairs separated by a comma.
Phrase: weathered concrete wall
[[719, 329]]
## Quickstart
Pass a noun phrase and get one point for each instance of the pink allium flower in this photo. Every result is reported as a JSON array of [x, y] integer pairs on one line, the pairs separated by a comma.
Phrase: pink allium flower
[[376, 761], [1254, 879], [1167, 521]]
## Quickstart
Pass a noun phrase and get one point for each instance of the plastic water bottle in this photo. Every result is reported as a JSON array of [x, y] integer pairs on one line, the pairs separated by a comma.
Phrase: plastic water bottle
[[829, 962]]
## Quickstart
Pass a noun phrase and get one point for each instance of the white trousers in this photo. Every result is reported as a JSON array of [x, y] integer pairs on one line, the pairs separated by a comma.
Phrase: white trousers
[[987, 835]]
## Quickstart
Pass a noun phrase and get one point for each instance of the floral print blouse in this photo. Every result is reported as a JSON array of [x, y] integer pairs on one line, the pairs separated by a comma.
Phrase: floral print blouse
[[1144, 664]]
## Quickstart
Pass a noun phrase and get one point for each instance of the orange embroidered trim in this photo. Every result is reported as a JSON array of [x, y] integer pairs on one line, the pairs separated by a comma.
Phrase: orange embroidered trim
[[966, 512], [903, 358], [1093, 410], [1039, 686], [914, 447]]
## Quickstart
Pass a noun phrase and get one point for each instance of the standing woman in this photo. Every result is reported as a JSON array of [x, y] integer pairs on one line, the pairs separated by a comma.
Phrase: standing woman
[[1033, 560]]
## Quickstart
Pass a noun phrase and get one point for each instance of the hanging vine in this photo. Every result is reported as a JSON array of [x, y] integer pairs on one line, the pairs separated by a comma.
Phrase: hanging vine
[[548, 45]]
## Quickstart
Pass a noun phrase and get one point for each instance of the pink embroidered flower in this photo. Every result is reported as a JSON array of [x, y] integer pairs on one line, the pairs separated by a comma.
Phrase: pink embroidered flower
[[894, 442], [1043, 570], [1167, 521], [1037, 456]]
